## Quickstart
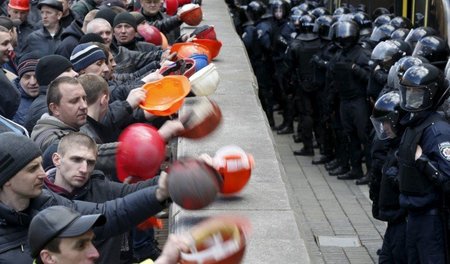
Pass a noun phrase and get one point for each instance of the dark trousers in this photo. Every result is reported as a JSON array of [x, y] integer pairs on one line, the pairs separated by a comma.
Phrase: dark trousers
[[342, 151], [355, 121], [425, 238], [308, 109], [264, 89], [394, 244]]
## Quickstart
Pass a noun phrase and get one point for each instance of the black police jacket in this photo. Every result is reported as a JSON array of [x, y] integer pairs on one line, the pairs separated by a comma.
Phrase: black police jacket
[[349, 70]]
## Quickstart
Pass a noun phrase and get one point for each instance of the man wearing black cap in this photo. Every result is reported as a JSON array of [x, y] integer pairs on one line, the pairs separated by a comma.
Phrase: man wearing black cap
[[61, 234], [48, 68], [125, 29], [27, 85], [47, 38], [21, 197]]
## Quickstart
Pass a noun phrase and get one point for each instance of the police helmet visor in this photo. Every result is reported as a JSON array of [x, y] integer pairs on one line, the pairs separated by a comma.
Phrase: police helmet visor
[[416, 98], [385, 127], [346, 30]]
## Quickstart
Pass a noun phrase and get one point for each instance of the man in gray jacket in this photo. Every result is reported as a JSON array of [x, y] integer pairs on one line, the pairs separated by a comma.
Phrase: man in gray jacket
[[22, 197], [74, 178]]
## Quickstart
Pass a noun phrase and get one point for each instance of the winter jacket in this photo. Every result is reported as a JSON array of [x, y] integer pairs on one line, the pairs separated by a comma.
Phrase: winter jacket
[[23, 31], [135, 76], [99, 190], [42, 41], [120, 90], [129, 61], [7, 125], [36, 109], [67, 20], [9, 97], [49, 130], [168, 25], [141, 46], [25, 103], [82, 7], [122, 214], [70, 38]]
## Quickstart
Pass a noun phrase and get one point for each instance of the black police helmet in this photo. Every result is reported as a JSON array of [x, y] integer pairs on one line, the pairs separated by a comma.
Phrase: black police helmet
[[319, 11], [295, 14], [400, 33], [386, 53], [407, 62], [401, 22], [280, 9], [322, 26], [416, 34], [382, 32], [386, 115], [341, 10], [306, 7], [423, 87], [255, 10], [433, 48], [382, 20], [306, 23], [380, 11], [345, 33]]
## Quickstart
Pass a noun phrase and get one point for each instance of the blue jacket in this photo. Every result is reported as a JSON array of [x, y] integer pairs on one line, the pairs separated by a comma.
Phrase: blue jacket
[[25, 103]]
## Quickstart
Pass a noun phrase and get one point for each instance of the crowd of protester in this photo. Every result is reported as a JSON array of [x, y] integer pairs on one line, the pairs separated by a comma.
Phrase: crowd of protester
[[369, 93], [71, 80]]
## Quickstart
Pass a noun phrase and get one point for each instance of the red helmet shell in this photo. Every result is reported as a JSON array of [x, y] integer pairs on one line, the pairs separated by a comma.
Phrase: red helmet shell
[[23, 5], [140, 152], [150, 34], [171, 7]]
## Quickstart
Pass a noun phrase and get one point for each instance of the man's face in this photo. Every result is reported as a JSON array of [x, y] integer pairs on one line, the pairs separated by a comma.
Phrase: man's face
[[17, 14], [50, 16], [74, 167], [29, 84], [105, 32], [72, 109], [28, 182], [151, 7], [111, 65], [5, 47], [76, 250], [97, 68], [124, 33]]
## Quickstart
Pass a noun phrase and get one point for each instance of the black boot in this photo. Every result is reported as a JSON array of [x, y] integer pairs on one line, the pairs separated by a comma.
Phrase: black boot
[[332, 165], [322, 159], [297, 138], [304, 152], [339, 171], [285, 130]]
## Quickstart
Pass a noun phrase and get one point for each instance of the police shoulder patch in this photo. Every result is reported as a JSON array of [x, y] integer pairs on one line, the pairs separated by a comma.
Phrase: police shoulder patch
[[444, 149]]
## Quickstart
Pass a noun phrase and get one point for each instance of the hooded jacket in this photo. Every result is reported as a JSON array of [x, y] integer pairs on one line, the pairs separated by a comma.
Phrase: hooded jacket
[[99, 190], [49, 130], [121, 214], [9, 97], [42, 41], [25, 103], [70, 38]]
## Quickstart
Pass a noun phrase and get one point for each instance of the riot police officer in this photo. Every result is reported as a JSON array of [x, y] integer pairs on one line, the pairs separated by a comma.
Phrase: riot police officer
[[424, 161], [383, 188], [299, 59], [350, 70], [258, 43]]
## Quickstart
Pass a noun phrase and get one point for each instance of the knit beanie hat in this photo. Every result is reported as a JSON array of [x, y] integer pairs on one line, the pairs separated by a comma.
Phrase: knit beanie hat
[[107, 14], [91, 37], [50, 67], [126, 18], [138, 16], [84, 55], [16, 151], [27, 63]]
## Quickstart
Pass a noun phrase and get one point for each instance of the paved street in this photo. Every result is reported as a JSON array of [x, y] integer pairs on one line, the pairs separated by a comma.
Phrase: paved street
[[326, 206]]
